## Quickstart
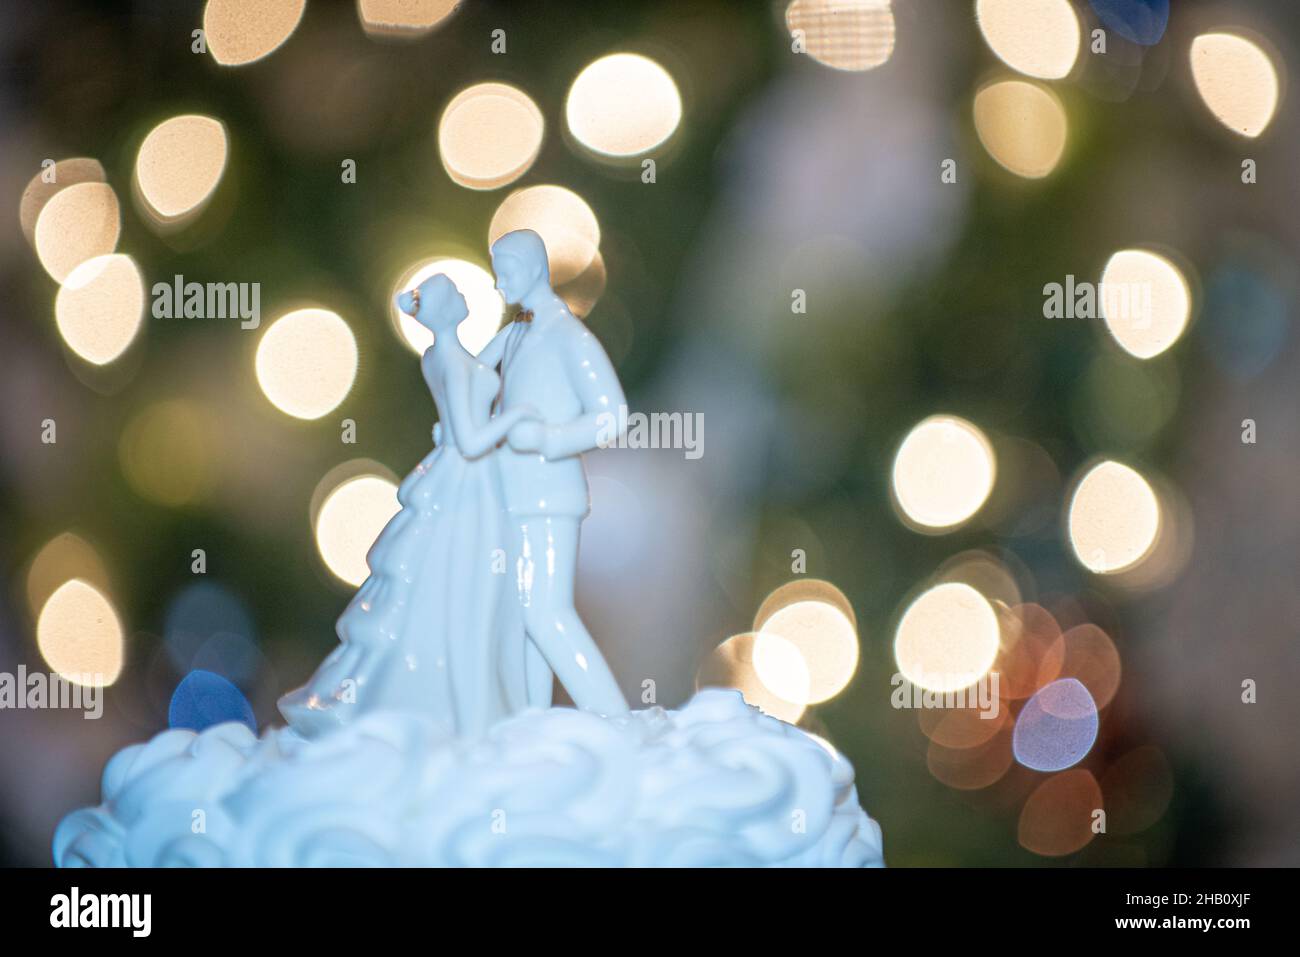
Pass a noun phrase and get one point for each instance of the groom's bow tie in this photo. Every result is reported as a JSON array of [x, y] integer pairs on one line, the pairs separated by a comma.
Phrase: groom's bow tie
[[524, 316]]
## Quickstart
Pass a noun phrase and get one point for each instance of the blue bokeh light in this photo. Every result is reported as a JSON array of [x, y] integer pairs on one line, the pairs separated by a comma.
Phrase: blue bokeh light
[[1057, 727], [1138, 21], [1245, 321], [204, 699], [207, 626]]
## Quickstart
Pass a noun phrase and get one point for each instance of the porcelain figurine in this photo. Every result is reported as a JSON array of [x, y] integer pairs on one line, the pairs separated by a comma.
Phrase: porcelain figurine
[[445, 625], [551, 363]]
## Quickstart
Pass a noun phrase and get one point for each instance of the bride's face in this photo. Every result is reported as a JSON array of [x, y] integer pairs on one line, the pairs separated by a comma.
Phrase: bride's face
[[438, 304]]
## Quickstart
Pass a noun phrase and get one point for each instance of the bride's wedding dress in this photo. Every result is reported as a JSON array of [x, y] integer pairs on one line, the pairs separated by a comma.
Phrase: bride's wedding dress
[[437, 627]]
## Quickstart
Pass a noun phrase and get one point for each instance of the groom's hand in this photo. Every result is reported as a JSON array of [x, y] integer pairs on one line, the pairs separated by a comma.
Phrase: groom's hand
[[527, 436]]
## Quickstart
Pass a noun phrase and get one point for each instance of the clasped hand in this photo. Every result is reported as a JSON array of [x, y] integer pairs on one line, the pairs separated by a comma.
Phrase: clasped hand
[[528, 433]]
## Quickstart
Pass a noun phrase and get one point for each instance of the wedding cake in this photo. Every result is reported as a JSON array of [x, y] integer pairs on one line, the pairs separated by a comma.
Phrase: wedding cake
[[714, 783]]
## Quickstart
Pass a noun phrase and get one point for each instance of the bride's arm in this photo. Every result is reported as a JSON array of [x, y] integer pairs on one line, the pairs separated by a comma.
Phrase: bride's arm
[[474, 438], [493, 352]]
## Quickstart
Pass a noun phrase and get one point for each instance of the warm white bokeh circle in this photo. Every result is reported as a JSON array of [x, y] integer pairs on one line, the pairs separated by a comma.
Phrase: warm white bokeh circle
[[947, 639], [1114, 518], [1039, 38], [76, 224], [489, 135], [561, 217], [1237, 81], [403, 18], [79, 634], [843, 34], [179, 165], [476, 284], [350, 518], [1145, 301], [623, 105], [43, 186], [782, 668], [735, 663], [1022, 125], [243, 31], [943, 472], [100, 307], [306, 362], [826, 640]]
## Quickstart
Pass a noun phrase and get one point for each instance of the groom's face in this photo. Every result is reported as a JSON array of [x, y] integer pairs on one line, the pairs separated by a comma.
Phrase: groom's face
[[514, 279]]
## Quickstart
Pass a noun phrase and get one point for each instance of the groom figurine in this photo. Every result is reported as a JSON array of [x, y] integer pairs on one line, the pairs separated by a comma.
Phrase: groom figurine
[[551, 362]]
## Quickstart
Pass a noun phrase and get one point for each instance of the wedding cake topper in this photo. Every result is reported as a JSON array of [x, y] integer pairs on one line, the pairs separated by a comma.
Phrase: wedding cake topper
[[426, 738], [443, 626]]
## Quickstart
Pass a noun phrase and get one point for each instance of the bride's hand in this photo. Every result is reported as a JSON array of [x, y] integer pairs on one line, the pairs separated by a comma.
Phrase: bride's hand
[[527, 436]]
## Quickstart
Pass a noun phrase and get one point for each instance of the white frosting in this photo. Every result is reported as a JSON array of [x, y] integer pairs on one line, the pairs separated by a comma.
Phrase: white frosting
[[715, 783]]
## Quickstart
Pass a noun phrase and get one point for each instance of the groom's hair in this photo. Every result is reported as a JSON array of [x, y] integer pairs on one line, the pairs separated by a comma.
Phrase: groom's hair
[[526, 246]]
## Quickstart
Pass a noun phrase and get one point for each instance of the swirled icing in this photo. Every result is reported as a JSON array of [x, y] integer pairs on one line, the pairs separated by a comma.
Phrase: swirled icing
[[714, 783]]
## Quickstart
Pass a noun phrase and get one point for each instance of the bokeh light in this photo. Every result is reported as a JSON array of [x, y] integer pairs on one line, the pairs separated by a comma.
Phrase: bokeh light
[[1145, 301], [1237, 81], [623, 105], [243, 31], [804, 589], [563, 220], [824, 636], [1089, 657], [79, 634], [782, 668], [306, 362], [972, 768], [1039, 38], [947, 638], [100, 307], [1138, 788], [1032, 652], [207, 626], [168, 454], [582, 294], [77, 223], [489, 135], [1057, 726], [1114, 517], [1022, 125], [476, 284], [403, 18], [844, 34], [178, 167], [350, 518], [943, 472], [731, 665], [1248, 301], [1139, 21], [64, 173], [960, 728], [984, 571], [61, 559], [203, 699], [1058, 816]]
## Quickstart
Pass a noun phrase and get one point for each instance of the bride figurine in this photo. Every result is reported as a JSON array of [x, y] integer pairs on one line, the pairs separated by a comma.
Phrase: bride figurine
[[437, 628]]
